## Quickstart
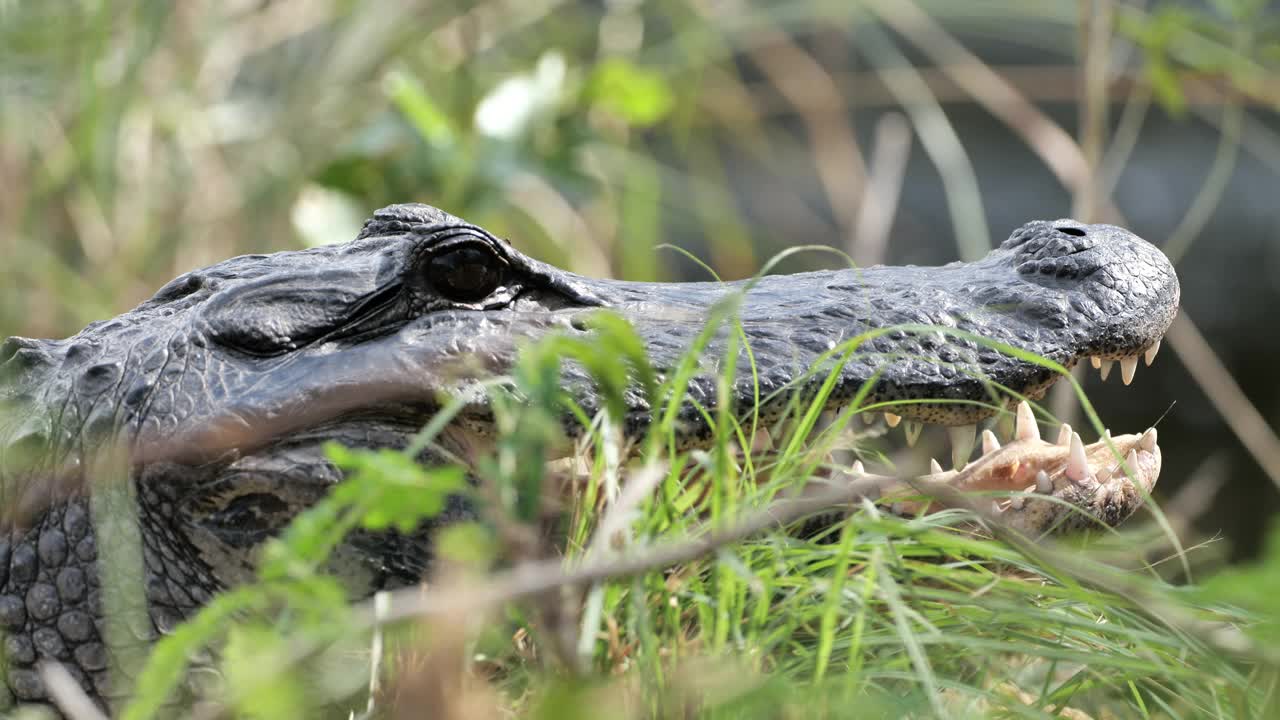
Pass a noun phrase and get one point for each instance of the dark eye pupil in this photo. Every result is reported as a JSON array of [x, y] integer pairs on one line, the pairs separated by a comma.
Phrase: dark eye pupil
[[465, 274]]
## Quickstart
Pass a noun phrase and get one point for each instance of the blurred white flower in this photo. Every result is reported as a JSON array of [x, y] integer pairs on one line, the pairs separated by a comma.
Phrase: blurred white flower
[[509, 109]]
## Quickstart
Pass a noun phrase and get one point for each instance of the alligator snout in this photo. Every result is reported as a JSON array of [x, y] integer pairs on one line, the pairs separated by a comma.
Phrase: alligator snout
[[1122, 290]]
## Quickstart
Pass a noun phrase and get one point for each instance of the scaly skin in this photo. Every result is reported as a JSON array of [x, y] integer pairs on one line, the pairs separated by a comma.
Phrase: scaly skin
[[224, 386]]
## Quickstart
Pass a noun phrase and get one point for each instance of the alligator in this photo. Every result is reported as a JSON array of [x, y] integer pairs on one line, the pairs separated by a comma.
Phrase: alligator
[[222, 389]]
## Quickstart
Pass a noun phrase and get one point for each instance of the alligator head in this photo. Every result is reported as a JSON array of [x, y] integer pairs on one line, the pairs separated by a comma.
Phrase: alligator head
[[224, 386]]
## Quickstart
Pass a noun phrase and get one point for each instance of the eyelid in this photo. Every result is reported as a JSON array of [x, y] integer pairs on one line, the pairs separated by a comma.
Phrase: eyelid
[[458, 237], [498, 257]]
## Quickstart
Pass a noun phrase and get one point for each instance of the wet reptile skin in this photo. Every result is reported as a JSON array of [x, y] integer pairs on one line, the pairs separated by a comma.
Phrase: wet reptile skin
[[223, 386]]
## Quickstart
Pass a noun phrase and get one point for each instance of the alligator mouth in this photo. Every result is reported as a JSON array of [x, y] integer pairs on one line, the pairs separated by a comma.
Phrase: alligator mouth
[[963, 438]]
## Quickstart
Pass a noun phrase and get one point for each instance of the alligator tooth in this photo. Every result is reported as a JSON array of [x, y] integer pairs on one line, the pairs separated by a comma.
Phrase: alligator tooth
[[1131, 460], [1077, 462], [1044, 485], [1148, 440], [892, 420], [1025, 428], [1150, 355], [1016, 502], [935, 468], [1128, 368], [989, 442], [1064, 435], [1106, 436], [912, 430], [1096, 361], [1106, 368], [962, 439], [858, 468]]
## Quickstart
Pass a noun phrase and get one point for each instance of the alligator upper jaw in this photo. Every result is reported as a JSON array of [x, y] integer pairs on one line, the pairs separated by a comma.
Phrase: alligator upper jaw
[[948, 345]]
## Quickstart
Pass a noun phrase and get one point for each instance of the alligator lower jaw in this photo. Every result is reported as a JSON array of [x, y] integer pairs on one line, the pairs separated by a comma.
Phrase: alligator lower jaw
[[1030, 484], [1037, 486]]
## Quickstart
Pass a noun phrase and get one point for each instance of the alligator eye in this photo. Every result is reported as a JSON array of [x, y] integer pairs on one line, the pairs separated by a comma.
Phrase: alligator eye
[[465, 274]]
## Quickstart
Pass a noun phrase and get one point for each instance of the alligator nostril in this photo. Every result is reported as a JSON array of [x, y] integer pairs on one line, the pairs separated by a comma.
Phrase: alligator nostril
[[1071, 231]]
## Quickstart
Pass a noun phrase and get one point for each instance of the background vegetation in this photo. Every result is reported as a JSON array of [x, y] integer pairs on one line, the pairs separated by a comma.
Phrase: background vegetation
[[139, 140]]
